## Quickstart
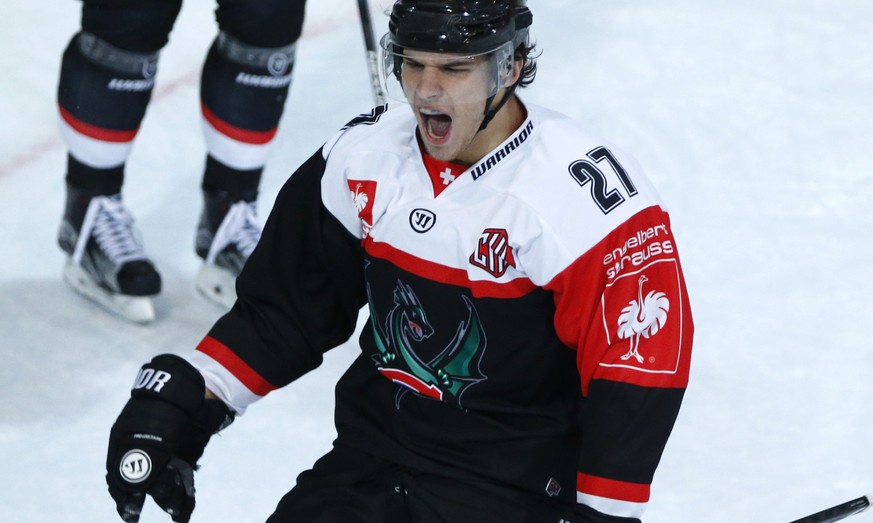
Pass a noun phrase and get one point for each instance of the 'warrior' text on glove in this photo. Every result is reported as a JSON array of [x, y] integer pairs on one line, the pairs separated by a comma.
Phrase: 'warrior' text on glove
[[157, 439]]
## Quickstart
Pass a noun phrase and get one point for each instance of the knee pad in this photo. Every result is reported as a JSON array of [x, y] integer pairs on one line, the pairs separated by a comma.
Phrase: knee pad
[[243, 92], [262, 23], [141, 26], [102, 96]]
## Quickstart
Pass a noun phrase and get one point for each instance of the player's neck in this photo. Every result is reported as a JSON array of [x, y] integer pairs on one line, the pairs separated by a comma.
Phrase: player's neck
[[505, 122]]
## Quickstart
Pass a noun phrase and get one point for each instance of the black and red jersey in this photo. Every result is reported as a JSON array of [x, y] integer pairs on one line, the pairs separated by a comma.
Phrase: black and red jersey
[[528, 325]]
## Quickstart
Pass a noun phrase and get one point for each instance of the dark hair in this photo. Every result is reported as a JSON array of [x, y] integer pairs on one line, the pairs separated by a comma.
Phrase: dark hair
[[526, 53]]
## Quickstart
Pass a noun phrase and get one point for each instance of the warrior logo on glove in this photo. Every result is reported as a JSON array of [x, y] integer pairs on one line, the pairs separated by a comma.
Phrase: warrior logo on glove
[[135, 466]]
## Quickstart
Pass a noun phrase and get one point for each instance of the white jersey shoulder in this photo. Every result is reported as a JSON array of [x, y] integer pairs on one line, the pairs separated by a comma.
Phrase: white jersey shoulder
[[369, 149], [567, 191], [570, 172], [552, 188]]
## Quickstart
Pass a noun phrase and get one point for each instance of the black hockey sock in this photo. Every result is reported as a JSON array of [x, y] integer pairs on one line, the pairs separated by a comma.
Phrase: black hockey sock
[[92, 180], [236, 184]]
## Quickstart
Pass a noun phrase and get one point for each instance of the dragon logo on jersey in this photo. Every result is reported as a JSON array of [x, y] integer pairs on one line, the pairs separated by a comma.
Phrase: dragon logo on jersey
[[363, 194], [493, 253], [446, 376]]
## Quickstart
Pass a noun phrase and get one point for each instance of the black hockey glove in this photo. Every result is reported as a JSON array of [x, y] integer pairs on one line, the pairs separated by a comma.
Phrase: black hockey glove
[[157, 439]]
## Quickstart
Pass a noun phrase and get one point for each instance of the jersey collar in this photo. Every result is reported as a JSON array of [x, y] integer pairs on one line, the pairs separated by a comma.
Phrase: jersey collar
[[441, 173]]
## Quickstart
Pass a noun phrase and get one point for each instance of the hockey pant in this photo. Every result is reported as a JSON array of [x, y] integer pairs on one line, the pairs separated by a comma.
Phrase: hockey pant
[[108, 75], [353, 487]]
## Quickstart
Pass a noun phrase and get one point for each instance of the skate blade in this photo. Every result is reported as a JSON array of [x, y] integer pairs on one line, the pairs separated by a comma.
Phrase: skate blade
[[138, 309], [217, 285]]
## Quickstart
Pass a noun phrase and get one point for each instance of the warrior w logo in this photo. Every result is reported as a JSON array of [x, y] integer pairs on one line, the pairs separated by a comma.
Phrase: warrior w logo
[[422, 220], [493, 253]]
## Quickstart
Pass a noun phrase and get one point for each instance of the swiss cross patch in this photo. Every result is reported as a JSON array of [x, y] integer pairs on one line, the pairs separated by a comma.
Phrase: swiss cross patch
[[364, 194], [493, 253], [642, 316]]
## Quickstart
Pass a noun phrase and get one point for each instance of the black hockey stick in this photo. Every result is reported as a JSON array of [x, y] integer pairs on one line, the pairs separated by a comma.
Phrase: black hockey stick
[[372, 55], [838, 512]]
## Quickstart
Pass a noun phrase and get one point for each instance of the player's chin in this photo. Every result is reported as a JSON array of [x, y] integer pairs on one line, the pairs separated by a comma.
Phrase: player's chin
[[444, 153]]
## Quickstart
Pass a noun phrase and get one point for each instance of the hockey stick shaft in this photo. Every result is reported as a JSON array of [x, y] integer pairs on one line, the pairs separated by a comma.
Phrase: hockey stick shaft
[[372, 55], [838, 512]]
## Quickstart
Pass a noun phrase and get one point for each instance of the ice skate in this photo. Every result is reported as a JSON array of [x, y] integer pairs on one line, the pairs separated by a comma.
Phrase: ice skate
[[226, 236], [107, 263]]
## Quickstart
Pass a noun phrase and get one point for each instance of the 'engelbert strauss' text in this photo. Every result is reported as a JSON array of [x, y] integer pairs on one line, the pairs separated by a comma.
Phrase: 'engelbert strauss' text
[[646, 249]]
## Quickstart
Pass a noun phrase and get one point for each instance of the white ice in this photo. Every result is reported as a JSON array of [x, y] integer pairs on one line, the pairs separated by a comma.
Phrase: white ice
[[754, 118]]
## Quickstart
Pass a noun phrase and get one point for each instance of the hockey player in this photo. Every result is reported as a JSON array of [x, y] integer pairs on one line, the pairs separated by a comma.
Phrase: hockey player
[[529, 331], [107, 76]]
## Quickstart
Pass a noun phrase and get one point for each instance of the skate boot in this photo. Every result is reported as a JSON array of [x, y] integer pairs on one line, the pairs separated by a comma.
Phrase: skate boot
[[226, 236], [106, 259]]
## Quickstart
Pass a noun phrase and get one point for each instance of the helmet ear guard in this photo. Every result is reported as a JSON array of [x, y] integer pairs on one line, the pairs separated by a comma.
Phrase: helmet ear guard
[[505, 66]]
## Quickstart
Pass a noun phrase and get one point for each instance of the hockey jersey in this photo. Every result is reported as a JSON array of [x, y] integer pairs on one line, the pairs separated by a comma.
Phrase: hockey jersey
[[529, 325]]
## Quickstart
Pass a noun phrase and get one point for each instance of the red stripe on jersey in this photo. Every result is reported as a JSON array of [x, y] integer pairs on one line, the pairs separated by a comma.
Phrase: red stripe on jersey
[[624, 307], [612, 489], [450, 275], [97, 133], [237, 133], [236, 366]]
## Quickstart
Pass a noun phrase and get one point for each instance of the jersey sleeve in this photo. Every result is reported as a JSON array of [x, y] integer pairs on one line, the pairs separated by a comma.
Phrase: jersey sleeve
[[623, 307], [298, 296]]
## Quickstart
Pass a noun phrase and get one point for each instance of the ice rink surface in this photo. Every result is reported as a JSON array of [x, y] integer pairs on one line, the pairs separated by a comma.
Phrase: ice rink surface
[[754, 119]]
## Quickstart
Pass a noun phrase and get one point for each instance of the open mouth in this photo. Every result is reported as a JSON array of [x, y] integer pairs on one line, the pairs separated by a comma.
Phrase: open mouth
[[437, 126]]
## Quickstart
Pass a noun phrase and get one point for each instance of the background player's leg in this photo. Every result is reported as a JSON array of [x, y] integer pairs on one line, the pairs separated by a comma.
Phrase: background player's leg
[[245, 83], [106, 81]]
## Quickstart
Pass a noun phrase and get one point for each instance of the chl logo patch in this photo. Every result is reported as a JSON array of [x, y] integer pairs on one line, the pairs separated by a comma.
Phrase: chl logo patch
[[493, 253], [135, 467]]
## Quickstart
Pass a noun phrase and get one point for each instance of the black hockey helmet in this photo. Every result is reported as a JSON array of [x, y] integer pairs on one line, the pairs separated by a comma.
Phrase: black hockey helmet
[[489, 29], [459, 26]]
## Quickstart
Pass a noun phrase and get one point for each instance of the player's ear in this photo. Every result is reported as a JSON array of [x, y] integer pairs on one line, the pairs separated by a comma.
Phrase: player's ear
[[517, 66], [511, 72]]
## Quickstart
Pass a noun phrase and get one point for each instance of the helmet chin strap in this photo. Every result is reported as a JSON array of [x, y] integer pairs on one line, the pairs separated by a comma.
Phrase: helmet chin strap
[[492, 112]]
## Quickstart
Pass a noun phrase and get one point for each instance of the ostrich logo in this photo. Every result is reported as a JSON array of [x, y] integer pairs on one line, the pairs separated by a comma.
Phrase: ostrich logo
[[363, 192], [642, 317], [361, 199]]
